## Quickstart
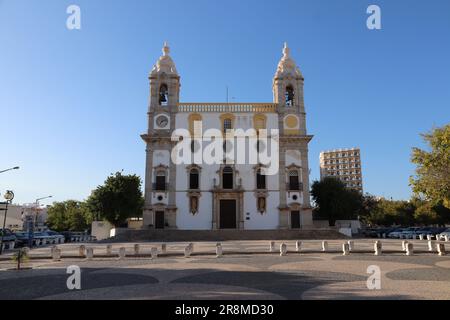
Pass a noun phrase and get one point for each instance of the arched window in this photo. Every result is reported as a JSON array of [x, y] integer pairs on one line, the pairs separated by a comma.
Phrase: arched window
[[227, 124], [194, 119], [160, 180], [163, 95], [289, 96], [293, 180], [260, 180], [194, 179], [227, 178]]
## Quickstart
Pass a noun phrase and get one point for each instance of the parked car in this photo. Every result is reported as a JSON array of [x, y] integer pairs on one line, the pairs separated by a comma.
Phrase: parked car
[[384, 231], [369, 232], [423, 231], [437, 231], [72, 236], [22, 238], [59, 238], [408, 233], [395, 234], [9, 239], [443, 234], [43, 238]]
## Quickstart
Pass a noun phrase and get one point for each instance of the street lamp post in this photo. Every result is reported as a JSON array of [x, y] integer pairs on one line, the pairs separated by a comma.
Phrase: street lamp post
[[9, 196], [34, 222], [14, 168]]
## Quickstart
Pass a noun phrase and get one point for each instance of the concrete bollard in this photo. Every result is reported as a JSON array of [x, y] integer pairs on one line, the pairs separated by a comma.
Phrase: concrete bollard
[[82, 251], [421, 237], [345, 249], [351, 245], [187, 251], [378, 248], [409, 249], [298, 246], [441, 249], [283, 249], [56, 253], [438, 237], [219, 251], [136, 248], [272, 246], [430, 245], [404, 243], [324, 246], [121, 253], [154, 252], [90, 253], [446, 238], [109, 249], [163, 248], [428, 237]]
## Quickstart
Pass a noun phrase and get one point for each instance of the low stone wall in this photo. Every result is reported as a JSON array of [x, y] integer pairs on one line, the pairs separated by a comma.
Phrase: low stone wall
[[223, 235]]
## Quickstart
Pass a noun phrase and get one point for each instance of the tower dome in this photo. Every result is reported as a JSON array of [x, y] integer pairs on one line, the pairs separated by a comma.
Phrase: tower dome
[[287, 66], [165, 63]]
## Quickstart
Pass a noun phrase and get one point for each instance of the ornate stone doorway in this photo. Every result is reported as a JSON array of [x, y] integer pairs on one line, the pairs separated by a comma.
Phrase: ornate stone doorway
[[159, 220], [227, 214], [295, 219]]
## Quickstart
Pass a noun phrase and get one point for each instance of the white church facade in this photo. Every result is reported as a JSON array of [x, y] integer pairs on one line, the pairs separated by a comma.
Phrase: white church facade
[[226, 194]]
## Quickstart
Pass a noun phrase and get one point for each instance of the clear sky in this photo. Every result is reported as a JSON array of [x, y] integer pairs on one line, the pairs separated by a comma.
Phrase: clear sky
[[73, 103]]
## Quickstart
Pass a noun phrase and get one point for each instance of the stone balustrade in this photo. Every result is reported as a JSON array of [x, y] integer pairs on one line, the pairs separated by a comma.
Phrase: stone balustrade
[[228, 107]]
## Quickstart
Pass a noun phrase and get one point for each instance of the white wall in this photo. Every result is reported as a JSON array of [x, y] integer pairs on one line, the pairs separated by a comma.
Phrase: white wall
[[258, 221], [203, 219]]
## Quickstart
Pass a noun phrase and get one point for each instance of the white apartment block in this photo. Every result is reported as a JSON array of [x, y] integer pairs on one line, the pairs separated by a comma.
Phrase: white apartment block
[[344, 164]]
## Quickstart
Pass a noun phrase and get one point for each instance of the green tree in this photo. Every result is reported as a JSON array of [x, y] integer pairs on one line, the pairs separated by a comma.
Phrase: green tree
[[432, 176], [425, 214], [69, 215], [118, 199], [442, 213], [334, 201]]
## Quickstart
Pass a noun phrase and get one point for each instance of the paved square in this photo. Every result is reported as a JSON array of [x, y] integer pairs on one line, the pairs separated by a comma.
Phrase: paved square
[[260, 275]]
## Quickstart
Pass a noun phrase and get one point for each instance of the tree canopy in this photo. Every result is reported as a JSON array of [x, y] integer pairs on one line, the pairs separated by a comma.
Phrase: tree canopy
[[432, 176], [70, 215], [119, 198], [334, 201]]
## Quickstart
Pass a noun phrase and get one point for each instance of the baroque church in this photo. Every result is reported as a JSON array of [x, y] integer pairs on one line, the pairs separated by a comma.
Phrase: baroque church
[[227, 194]]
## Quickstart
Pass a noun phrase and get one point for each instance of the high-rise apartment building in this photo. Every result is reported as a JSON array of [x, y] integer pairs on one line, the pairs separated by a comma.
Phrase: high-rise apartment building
[[344, 164]]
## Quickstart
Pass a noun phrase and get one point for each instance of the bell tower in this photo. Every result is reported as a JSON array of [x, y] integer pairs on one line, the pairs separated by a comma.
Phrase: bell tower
[[295, 208], [160, 174]]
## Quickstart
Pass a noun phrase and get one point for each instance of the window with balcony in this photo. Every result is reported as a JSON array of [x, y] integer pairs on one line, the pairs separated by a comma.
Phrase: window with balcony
[[160, 181], [260, 180], [294, 183], [194, 179], [227, 178]]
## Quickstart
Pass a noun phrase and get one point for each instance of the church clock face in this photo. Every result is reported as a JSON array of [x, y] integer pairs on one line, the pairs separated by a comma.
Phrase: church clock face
[[162, 122]]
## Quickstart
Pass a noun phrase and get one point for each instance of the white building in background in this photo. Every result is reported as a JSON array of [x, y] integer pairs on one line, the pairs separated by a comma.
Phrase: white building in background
[[343, 164], [227, 194], [17, 215]]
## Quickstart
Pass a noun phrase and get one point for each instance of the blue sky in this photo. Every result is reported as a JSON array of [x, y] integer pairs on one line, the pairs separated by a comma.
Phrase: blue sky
[[73, 103]]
